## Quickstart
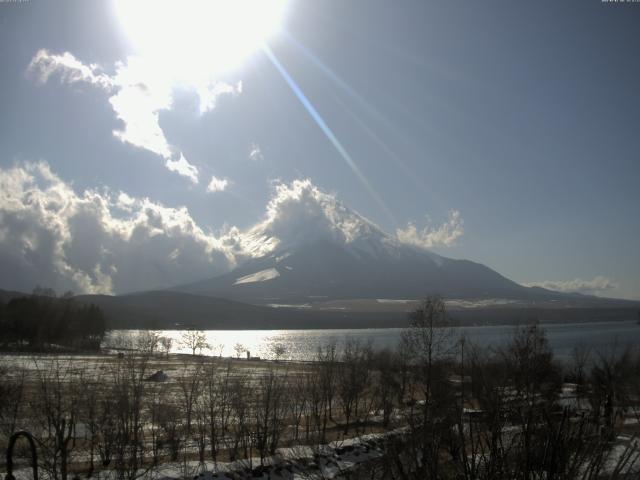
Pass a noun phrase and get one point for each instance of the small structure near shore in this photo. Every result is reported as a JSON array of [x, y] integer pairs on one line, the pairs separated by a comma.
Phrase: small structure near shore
[[159, 376]]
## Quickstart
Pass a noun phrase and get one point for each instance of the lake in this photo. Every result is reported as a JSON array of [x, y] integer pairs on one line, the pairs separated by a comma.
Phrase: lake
[[303, 344]]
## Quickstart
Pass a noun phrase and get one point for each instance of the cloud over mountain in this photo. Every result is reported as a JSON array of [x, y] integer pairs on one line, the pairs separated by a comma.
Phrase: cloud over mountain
[[444, 235], [110, 242], [300, 211], [596, 285]]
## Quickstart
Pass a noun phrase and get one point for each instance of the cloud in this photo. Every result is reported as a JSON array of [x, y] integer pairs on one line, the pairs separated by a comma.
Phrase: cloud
[[184, 168], [217, 184], [255, 153], [97, 242], [300, 213], [71, 70], [208, 93], [445, 235], [598, 284], [111, 242], [138, 91]]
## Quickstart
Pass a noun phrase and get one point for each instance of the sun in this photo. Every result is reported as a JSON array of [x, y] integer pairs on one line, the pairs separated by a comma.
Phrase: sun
[[197, 39]]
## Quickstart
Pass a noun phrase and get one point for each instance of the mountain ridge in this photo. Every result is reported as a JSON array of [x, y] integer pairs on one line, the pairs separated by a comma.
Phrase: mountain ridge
[[325, 269]]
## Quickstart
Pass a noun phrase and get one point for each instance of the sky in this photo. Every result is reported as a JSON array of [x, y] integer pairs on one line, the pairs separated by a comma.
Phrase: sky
[[144, 148]]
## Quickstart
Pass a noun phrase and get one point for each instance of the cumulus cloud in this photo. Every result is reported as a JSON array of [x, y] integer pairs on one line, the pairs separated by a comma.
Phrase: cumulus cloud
[[94, 241], [208, 93], [184, 168], [598, 284], [444, 235], [112, 242], [70, 69], [255, 153], [299, 213], [138, 91], [217, 184]]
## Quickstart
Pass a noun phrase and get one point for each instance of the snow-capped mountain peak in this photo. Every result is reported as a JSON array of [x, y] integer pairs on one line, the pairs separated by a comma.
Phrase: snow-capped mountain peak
[[312, 246]]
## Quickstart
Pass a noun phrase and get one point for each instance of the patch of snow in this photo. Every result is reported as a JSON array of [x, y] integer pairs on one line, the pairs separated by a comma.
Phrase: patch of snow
[[392, 300], [488, 302], [437, 259], [285, 305], [261, 276]]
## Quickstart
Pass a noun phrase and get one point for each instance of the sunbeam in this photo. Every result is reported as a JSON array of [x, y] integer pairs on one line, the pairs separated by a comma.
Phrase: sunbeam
[[327, 131], [371, 110]]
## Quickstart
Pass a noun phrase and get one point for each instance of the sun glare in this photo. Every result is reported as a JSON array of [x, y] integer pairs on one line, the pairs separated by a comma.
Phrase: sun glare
[[195, 39]]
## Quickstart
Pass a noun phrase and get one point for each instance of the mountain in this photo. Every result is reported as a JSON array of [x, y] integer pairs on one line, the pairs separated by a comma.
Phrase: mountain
[[338, 254], [333, 268], [322, 269], [8, 295]]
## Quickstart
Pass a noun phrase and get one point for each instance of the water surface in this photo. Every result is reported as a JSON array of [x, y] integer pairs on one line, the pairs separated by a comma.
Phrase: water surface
[[303, 344]]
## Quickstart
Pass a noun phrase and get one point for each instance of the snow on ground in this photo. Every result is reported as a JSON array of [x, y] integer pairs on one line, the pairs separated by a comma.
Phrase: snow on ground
[[294, 463], [480, 303], [286, 305], [456, 302], [392, 300], [261, 276]]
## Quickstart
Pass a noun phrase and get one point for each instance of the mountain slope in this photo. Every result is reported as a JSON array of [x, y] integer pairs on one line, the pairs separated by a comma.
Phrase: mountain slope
[[310, 247], [380, 268]]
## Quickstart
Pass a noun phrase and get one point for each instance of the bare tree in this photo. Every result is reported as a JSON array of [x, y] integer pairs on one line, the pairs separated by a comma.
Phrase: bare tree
[[387, 384], [55, 408], [279, 350], [128, 394], [166, 343], [239, 425], [92, 392], [580, 358], [189, 384], [12, 390], [353, 378], [326, 384], [428, 342], [218, 394], [195, 340], [154, 407], [239, 349], [298, 401], [169, 420], [268, 410], [610, 381], [147, 341]]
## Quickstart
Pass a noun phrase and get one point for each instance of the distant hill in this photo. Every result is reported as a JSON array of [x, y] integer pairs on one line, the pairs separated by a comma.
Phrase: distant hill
[[167, 310], [176, 310], [6, 295]]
